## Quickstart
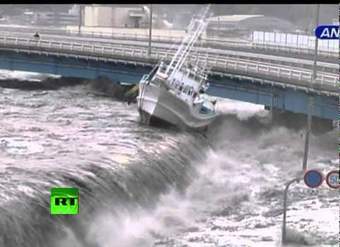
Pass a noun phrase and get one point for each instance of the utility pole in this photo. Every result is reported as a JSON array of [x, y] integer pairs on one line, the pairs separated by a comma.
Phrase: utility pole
[[310, 98], [316, 42], [80, 19], [150, 31]]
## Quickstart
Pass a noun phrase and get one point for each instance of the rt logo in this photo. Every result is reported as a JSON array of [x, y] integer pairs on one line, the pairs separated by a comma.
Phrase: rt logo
[[64, 201], [327, 32]]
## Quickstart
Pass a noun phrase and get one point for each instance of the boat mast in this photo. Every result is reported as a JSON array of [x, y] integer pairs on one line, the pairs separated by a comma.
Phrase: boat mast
[[196, 28]]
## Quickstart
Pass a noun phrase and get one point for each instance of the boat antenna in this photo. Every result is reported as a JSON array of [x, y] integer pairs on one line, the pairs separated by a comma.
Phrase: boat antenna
[[196, 28]]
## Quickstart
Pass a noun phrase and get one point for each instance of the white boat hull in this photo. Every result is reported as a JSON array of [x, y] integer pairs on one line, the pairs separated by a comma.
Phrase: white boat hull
[[158, 103]]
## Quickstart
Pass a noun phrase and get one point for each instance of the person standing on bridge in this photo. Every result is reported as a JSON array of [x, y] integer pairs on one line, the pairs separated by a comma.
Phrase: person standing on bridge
[[36, 35]]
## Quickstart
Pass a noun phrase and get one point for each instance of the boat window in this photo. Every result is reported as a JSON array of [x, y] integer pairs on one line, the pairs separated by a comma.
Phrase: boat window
[[191, 90], [206, 108], [185, 90], [162, 67], [192, 75], [145, 77]]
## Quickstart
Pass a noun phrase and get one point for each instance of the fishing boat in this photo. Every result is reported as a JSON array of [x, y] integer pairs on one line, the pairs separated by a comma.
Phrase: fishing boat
[[175, 92]]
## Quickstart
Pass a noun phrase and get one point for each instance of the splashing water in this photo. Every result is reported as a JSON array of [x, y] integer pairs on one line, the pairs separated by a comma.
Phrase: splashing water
[[144, 186]]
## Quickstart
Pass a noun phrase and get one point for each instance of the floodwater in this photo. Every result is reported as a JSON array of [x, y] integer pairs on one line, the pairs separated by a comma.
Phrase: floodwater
[[144, 186]]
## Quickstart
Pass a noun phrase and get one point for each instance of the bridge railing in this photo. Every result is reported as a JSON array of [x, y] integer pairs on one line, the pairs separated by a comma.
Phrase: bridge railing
[[206, 41], [211, 41], [218, 63], [257, 58], [301, 77]]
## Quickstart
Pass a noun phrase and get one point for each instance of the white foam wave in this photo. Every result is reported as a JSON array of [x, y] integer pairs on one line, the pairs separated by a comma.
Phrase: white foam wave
[[24, 75], [243, 110]]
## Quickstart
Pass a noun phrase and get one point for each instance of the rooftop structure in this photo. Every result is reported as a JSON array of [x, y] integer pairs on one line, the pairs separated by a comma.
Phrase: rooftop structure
[[134, 16]]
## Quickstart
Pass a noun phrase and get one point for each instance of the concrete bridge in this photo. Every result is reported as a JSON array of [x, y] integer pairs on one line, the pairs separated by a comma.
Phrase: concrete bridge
[[276, 81], [170, 37]]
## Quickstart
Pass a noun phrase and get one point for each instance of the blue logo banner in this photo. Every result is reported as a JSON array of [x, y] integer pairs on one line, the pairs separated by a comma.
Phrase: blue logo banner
[[327, 32]]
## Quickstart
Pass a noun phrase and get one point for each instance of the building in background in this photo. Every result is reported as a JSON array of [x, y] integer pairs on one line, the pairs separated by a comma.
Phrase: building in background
[[244, 25], [49, 18], [56, 19], [134, 16]]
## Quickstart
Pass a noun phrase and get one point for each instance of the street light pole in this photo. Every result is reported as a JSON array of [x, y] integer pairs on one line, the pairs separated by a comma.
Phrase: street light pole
[[316, 42], [309, 125], [150, 31], [310, 98]]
